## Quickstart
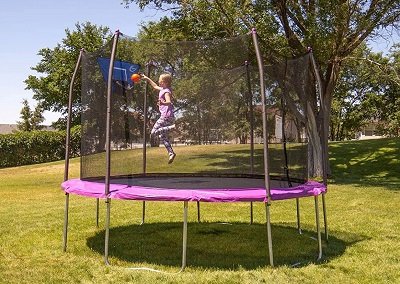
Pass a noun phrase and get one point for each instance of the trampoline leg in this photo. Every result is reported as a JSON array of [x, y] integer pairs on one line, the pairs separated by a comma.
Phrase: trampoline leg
[[107, 231], [325, 218], [318, 228], [298, 216], [97, 212], [65, 231], [184, 242], [269, 235], [143, 212], [198, 211], [251, 213]]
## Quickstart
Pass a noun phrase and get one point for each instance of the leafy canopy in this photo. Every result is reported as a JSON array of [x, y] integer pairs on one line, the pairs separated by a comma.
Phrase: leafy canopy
[[55, 69]]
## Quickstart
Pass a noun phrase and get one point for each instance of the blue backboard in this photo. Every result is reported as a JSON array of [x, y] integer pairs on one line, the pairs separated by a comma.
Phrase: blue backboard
[[122, 70]]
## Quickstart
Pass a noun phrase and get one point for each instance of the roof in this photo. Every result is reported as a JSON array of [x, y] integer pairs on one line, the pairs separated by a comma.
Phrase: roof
[[10, 128]]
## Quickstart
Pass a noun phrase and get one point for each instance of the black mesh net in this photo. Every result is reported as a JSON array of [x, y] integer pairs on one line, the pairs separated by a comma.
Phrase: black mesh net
[[217, 106], [289, 84]]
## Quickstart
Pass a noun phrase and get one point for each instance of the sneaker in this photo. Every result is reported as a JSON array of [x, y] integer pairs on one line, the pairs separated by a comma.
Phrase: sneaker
[[171, 158]]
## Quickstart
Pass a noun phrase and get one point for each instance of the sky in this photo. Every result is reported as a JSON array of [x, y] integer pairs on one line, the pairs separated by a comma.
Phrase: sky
[[30, 25]]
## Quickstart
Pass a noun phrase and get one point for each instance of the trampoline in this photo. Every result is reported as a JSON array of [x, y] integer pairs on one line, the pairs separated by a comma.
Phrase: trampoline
[[189, 188], [192, 188], [255, 115]]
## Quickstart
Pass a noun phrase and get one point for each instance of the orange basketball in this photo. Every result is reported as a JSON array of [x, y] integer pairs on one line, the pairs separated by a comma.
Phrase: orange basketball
[[135, 78]]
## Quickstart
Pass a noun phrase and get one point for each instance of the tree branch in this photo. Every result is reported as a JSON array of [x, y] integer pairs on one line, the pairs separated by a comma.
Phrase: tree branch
[[372, 19], [291, 37], [298, 18]]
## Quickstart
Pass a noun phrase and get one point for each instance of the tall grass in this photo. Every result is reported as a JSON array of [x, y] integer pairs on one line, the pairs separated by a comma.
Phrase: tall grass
[[363, 217]]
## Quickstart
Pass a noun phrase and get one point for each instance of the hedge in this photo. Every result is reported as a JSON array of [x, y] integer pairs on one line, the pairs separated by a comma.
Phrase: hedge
[[25, 148]]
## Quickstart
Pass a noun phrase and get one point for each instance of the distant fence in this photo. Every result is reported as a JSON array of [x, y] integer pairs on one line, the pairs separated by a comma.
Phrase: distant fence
[[25, 148]]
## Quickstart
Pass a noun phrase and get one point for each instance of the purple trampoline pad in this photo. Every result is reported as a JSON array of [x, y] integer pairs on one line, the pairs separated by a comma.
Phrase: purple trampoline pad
[[191, 188]]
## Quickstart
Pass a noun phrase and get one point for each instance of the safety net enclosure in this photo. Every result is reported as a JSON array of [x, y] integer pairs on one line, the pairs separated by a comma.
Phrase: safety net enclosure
[[216, 99], [240, 126], [209, 87]]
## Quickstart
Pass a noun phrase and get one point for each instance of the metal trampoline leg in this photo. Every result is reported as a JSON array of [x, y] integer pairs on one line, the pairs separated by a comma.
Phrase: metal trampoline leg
[[97, 212], [198, 211], [251, 213], [298, 216], [107, 231], [184, 242], [65, 231], [143, 212], [325, 218], [318, 228], [269, 235]]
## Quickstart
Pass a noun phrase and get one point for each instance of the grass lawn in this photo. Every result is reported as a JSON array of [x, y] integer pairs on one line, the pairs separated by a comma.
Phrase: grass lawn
[[363, 216]]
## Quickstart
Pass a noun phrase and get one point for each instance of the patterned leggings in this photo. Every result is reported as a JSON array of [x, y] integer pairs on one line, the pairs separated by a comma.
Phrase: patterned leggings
[[161, 128]]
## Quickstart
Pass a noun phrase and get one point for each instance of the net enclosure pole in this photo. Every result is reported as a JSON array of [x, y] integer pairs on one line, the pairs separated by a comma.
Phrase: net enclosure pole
[[108, 145], [284, 144], [146, 91], [251, 122], [324, 157], [265, 138], [68, 147], [144, 169], [69, 117], [251, 116]]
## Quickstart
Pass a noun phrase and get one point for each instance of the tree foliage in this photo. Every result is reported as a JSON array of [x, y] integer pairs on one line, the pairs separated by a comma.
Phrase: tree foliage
[[367, 93], [385, 104], [334, 29], [30, 120], [51, 87]]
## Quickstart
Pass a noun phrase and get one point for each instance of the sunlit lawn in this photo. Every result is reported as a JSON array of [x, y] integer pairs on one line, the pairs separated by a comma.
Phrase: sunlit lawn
[[363, 216]]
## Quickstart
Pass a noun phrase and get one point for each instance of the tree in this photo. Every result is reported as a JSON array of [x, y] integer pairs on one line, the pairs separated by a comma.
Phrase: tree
[[30, 120], [51, 88], [332, 28], [385, 104], [37, 118], [25, 124], [367, 92], [350, 106]]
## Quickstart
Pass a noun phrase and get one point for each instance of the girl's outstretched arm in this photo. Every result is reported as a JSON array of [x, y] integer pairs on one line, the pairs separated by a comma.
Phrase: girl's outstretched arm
[[152, 83]]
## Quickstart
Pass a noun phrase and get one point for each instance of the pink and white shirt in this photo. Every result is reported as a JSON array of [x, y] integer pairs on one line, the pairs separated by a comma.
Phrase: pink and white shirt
[[165, 110]]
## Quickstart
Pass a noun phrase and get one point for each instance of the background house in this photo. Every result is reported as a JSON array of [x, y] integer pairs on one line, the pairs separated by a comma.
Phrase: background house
[[370, 131], [10, 128]]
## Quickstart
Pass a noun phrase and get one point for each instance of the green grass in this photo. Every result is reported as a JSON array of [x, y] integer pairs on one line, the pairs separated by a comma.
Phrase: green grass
[[231, 158], [363, 214]]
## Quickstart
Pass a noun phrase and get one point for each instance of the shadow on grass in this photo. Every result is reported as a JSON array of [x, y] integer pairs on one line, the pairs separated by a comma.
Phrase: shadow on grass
[[366, 163], [228, 161], [216, 245]]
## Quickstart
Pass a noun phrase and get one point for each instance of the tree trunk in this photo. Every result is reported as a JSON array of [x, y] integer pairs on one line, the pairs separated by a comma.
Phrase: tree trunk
[[315, 165], [327, 94], [319, 121]]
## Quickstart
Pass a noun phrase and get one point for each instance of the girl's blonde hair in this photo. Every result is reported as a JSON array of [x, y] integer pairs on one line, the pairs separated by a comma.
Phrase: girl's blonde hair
[[166, 78]]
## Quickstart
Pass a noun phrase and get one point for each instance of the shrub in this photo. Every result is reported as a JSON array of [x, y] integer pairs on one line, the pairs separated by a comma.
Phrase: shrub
[[25, 148]]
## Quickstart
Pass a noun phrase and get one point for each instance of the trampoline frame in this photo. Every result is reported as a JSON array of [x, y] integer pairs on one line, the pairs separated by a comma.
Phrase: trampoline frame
[[269, 197]]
